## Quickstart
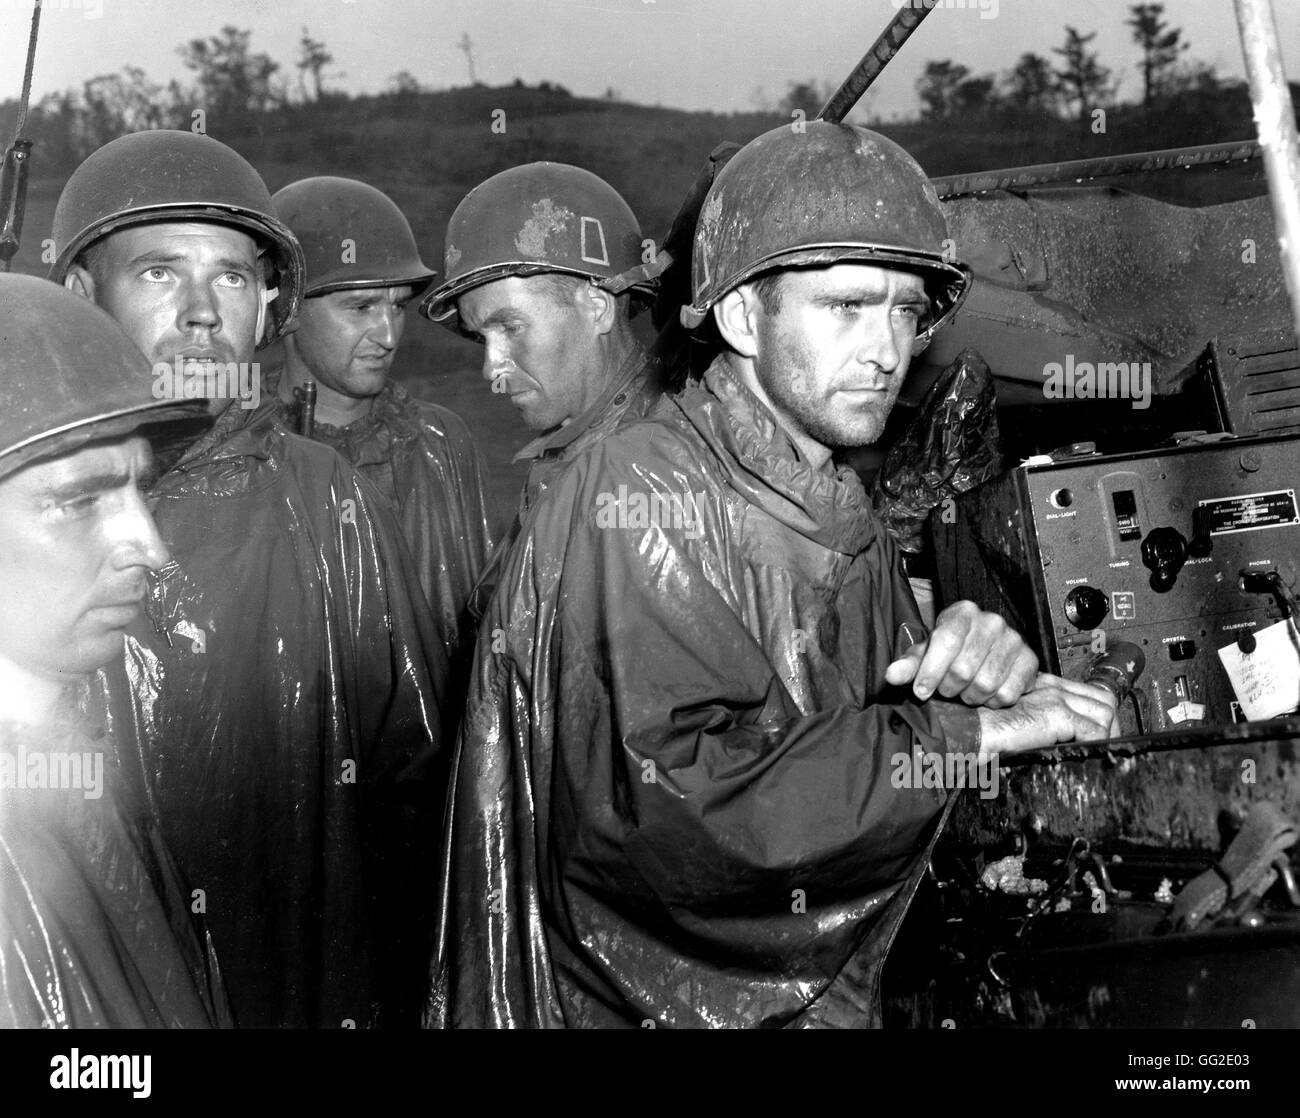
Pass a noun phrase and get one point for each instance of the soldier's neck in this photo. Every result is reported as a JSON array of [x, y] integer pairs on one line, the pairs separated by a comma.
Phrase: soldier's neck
[[816, 453], [332, 408], [617, 349]]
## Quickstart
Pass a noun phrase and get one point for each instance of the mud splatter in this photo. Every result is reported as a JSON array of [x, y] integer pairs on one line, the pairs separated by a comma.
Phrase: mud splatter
[[547, 219], [452, 257]]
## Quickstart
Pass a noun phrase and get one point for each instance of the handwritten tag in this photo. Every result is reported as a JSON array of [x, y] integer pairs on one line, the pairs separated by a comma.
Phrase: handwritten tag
[[1267, 681]]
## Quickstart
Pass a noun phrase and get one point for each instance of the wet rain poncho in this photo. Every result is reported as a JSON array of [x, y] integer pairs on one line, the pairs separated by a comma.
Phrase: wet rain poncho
[[631, 393], [95, 925], [673, 797], [422, 458], [285, 717]]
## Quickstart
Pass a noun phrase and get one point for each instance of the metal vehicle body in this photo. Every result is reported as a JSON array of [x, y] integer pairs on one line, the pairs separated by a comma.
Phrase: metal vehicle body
[[1063, 900]]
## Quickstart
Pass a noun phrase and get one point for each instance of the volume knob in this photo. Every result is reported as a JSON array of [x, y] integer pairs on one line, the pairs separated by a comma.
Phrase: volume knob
[[1086, 606]]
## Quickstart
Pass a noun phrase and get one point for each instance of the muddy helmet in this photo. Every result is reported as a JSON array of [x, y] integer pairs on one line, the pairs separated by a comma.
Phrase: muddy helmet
[[69, 374], [542, 217], [818, 194], [167, 175], [352, 236]]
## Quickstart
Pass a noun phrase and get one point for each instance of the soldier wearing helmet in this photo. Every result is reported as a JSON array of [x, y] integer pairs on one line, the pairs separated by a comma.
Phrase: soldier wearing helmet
[[95, 926], [720, 813], [363, 268], [289, 678], [545, 266]]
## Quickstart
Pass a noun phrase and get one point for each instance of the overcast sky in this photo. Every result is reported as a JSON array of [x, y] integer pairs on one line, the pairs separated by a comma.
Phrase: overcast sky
[[692, 54]]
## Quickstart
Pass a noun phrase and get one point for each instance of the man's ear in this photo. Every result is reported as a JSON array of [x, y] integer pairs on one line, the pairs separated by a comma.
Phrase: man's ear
[[736, 314], [602, 306], [80, 282]]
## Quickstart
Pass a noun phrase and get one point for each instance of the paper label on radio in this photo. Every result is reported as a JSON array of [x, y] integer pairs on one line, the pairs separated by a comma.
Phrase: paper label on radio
[[1186, 711], [1266, 681]]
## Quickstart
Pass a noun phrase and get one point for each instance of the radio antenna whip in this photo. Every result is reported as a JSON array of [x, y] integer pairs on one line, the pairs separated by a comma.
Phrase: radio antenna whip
[[17, 157]]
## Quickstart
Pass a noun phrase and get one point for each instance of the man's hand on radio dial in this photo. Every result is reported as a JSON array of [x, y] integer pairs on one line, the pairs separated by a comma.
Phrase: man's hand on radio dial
[[972, 656], [1056, 710]]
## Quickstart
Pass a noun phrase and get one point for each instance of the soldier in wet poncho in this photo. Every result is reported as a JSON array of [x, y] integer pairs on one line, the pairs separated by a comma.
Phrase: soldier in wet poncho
[[363, 270], [95, 924], [675, 796], [284, 702]]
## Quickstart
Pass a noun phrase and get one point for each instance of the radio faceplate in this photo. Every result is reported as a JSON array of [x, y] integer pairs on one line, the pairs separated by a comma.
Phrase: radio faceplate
[[1148, 548]]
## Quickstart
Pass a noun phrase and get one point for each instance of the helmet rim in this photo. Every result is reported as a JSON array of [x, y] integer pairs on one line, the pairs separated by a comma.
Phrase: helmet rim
[[439, 305], [420, 282], [933, 266], [177, 415]]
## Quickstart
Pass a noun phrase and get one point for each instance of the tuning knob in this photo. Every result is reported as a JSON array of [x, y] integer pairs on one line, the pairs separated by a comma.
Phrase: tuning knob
[[1086, 606], [1164, 551]]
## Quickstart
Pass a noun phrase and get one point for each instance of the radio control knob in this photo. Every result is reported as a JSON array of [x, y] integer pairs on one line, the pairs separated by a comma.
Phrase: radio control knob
[[1164, 552], [1086, 607]]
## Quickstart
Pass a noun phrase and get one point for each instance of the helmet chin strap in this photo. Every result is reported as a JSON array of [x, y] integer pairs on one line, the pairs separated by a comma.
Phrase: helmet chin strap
[[265, 297]]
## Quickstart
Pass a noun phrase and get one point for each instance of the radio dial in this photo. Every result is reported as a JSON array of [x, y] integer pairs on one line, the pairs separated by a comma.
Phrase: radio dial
[[1086, 607]]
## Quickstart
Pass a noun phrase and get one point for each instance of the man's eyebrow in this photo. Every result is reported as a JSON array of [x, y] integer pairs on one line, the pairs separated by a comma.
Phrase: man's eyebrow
[[496, 318], [162, 256], [852, 295], [155, 256], [89, 484]]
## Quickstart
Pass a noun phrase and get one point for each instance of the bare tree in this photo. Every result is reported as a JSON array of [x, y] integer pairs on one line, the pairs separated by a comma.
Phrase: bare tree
[[1161, 45], [466, 44], [312, 59], [232, 80], [1082, 79]]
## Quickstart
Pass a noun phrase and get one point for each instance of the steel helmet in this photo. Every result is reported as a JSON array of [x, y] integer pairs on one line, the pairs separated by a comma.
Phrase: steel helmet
[[167, 175], [819, 194], [352, 235], [69, 374], [542, 217]]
